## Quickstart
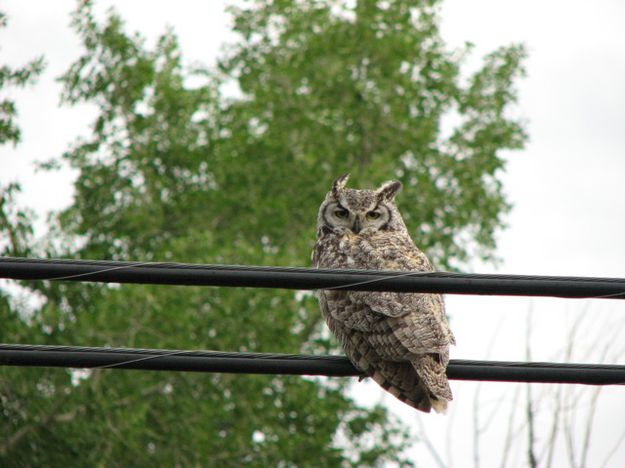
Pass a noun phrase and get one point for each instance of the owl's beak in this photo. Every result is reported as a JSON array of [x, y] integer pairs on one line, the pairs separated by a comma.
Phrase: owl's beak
[[357, 226]]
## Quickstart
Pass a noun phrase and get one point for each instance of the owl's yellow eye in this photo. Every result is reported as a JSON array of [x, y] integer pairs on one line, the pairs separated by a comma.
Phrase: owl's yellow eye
[[373, 214], [340, 213]]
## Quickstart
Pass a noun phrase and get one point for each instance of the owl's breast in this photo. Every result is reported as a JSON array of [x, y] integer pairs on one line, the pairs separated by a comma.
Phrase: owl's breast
[[394, 251], [336, 251]]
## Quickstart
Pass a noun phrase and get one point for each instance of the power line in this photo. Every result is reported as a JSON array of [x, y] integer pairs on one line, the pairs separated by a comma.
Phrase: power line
[[259, 363], [300, 278], [309, 278]]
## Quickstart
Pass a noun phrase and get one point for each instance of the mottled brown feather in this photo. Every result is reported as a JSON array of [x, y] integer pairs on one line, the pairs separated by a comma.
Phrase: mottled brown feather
[[401, 340]]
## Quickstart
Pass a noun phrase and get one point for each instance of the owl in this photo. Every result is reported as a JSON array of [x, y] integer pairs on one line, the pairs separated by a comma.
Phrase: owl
[[400, 340]]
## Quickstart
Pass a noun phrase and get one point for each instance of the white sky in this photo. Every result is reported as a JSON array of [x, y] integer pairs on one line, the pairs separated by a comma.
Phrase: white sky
[[567, 187]]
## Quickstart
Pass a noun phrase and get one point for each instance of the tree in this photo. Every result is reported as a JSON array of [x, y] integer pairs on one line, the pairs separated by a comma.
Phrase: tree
[[331, 89], [13, 221], [534, 424], [178, 171], [9, 131]]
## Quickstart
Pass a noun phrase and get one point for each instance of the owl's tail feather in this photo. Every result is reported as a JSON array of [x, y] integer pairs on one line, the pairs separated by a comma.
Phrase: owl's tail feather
[[396, 377], [401, 381], [434, 376], [439, 405]]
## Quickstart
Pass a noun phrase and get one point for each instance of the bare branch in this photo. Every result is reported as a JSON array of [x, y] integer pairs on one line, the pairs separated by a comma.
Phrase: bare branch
[[449, 435], [476, 427], [529, 407], [588, 430], [614, 449], [551, 444], [509, 433], [423, 436]]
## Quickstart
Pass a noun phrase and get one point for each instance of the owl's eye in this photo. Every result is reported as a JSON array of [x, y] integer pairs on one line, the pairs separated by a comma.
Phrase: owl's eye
[[341, 213], [373, 214]]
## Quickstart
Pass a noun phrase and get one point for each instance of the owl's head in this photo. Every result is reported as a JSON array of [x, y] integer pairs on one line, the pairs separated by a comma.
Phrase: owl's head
[[360, 211]]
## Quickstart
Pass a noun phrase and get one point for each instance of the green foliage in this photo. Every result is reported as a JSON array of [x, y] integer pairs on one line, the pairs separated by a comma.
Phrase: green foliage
[[366, 91], [176, 171], [15, 224], [9, 131]]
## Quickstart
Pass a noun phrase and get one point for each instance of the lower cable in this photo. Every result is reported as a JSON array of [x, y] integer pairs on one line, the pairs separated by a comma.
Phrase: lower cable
[[290, 364]]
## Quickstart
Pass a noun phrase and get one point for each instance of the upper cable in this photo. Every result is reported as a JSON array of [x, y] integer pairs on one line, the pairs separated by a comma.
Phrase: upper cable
[[309, 278]]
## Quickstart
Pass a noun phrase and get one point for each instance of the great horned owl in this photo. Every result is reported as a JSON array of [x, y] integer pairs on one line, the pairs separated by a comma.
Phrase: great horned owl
[[401, 340]]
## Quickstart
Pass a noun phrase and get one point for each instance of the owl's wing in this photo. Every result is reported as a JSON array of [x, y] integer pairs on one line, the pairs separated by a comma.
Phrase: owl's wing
[[388, 253], [396, 254], [423, 330], [404, 323]]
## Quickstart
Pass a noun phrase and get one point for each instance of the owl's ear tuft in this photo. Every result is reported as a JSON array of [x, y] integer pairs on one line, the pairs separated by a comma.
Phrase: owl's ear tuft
[[339, 184], [388, 190]]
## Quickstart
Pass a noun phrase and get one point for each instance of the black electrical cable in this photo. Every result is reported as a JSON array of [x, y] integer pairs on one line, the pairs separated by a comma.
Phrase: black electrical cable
[[309, 278], [258, 363]]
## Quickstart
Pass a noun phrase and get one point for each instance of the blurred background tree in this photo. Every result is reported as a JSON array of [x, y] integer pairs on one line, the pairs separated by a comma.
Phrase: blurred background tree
[[177, 170], [9, 130]]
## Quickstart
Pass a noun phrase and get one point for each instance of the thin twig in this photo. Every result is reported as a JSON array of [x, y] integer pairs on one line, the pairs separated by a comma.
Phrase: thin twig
[[529, 407], [614, 449], [554, 428], [476, 427], [428, 443], [508, 441]]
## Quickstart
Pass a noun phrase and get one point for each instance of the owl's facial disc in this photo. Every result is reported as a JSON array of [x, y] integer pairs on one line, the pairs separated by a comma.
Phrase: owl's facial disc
[[375, 218], [356, 219], [336, 215]]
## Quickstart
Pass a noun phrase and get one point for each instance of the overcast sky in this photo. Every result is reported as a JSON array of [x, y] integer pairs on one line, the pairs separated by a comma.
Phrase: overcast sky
[[567, 186]]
